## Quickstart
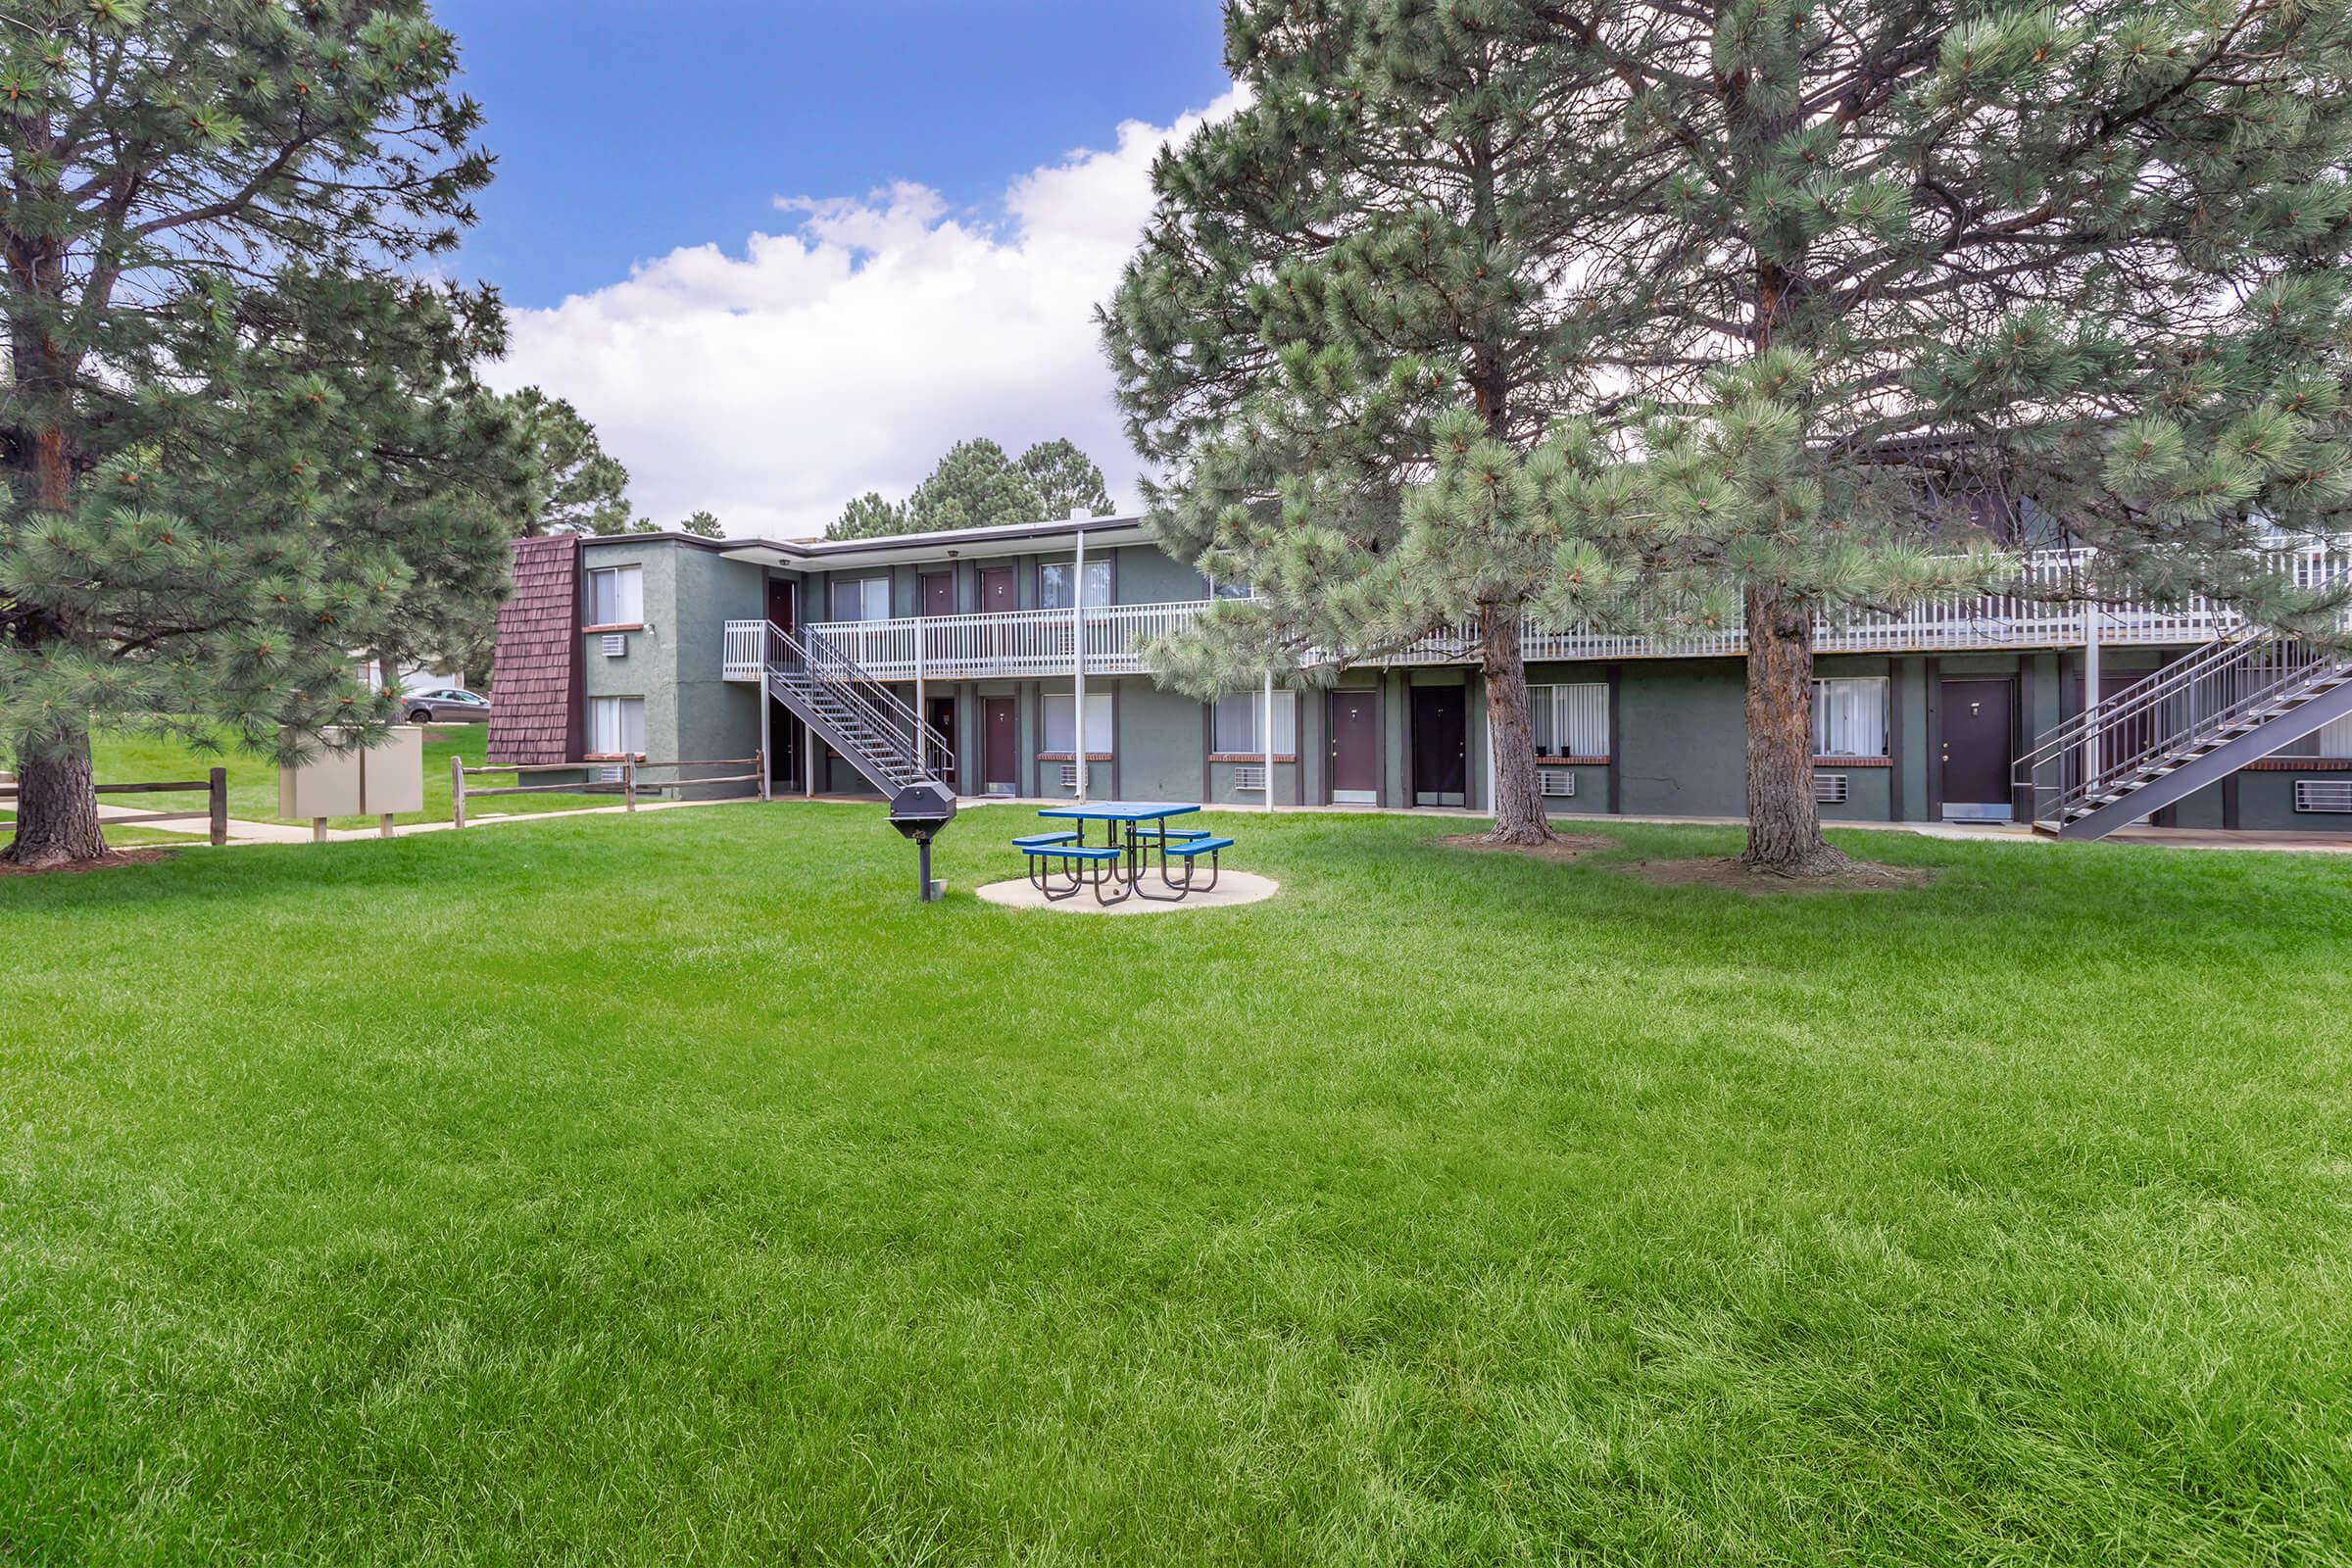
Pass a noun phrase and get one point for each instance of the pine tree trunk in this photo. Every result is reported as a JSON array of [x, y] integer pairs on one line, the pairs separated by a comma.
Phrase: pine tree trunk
[[1518, 801], [1783, 820], [57, 810]]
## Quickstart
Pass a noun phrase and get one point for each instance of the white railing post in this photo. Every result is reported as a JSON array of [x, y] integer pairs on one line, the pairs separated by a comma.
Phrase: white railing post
[[1267, 718], [2090, 692], [1078, 664]]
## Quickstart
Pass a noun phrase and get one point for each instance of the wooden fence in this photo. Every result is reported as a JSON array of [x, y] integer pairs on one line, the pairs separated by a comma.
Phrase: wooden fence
[[214, 789], [459, 792]]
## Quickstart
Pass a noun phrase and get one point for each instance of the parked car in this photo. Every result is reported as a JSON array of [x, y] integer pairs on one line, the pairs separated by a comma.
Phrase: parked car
[[447, 706]]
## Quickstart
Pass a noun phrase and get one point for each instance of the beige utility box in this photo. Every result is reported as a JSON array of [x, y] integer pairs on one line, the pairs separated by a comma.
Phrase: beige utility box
[[378, 782]]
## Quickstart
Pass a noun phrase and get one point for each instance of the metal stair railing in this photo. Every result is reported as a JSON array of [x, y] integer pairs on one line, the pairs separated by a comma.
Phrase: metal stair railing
[[867, 713], [2143, 731]]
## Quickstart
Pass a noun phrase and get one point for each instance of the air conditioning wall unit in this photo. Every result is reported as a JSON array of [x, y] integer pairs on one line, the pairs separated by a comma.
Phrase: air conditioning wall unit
[[1829, 789], [1557, 782], [1249, 776], [2323, 795], [615, 644]]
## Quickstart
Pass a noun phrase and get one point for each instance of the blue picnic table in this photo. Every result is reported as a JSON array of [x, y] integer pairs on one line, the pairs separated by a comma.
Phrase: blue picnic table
[[1133, 831]]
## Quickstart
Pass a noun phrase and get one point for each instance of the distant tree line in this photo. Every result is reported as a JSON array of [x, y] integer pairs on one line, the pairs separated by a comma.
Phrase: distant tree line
[[977, 485]]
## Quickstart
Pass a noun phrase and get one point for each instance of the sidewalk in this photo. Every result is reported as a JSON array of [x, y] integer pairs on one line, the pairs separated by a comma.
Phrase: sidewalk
[[244, 831], [241, 831]]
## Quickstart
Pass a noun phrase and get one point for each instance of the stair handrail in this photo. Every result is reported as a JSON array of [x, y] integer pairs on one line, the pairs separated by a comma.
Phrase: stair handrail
[[2205, 691], [875, 702]]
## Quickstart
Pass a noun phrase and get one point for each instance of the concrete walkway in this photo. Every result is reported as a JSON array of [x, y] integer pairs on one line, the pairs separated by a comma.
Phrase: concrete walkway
[[241, 831], [244, 831]]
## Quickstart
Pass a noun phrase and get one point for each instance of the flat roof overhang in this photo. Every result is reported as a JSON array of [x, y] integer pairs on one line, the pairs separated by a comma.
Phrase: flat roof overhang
[[951, 544]]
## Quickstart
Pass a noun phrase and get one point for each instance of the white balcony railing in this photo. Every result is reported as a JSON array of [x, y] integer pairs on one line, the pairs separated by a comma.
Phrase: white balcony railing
[[1040, 642]]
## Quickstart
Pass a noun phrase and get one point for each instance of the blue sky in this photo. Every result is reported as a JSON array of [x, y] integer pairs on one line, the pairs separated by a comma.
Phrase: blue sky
[[628, 129]]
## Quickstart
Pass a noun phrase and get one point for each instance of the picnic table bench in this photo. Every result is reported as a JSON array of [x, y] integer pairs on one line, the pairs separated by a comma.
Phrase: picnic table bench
[[1062, 865]]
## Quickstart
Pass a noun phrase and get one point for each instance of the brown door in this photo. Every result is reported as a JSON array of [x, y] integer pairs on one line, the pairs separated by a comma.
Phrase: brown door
[[996, 590], [941, 720], [1355, 746], [1440, 741], [939, 593], [1977, 742], [783, 597], [1001, 745]]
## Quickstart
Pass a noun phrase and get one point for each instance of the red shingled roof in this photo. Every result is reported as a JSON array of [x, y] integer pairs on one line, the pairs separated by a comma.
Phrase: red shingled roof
[[536, 711]]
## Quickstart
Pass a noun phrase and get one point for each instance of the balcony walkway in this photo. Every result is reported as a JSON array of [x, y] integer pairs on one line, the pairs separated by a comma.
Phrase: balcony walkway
[[1045, 643]]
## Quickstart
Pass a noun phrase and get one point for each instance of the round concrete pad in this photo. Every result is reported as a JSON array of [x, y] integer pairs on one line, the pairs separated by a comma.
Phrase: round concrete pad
[[1234, 887]]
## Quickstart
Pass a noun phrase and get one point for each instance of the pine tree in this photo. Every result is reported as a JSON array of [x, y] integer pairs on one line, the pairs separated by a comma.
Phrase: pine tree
[[975, 486], [583, 489], [703, 525], [868, 517], [1356, 316], [1066, 480], [238, 441], [1899, 268]]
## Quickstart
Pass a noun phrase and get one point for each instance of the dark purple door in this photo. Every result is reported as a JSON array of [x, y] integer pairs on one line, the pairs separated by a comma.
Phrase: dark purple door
[[1000, 744], [2135, 732], [1355, 745], [782, 598], [1977, 742], [942, 718], [996, 590], [939, 593], [1441, 741]]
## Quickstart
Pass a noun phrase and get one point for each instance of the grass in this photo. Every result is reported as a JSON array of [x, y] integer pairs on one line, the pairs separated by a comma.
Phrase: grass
[[124, 759], [677, 1189]]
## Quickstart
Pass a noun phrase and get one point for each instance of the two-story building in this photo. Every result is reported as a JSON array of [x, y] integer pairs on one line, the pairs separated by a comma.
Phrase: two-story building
[[1019, 646]]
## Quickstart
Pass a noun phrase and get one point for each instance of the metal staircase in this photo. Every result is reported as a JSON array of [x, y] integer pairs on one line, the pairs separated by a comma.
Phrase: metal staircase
[[2193, 723], [871, 725]]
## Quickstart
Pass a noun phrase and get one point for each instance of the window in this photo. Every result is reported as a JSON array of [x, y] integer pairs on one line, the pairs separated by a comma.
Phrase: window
[[1053, 584], [616, 727], [1571, 720], [1850, 717], [1235, 731], [1061, 727], [616, 596], [2336, 738], [862, 599]]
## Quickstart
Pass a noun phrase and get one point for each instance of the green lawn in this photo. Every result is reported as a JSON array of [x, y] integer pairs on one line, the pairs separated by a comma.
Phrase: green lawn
[[677, 1189], [118, 758]]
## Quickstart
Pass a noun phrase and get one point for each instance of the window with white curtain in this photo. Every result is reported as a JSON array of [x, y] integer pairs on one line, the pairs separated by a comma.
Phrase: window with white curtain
[[1053, 584], [1571, 720], [1850, 717], [616, 596], [1236, 729], [1061, 724], [2335, 737], [616, 726], [862, 599]]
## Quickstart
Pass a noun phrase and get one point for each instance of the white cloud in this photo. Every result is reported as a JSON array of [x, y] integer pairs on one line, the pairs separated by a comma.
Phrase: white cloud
[[849, 353]]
